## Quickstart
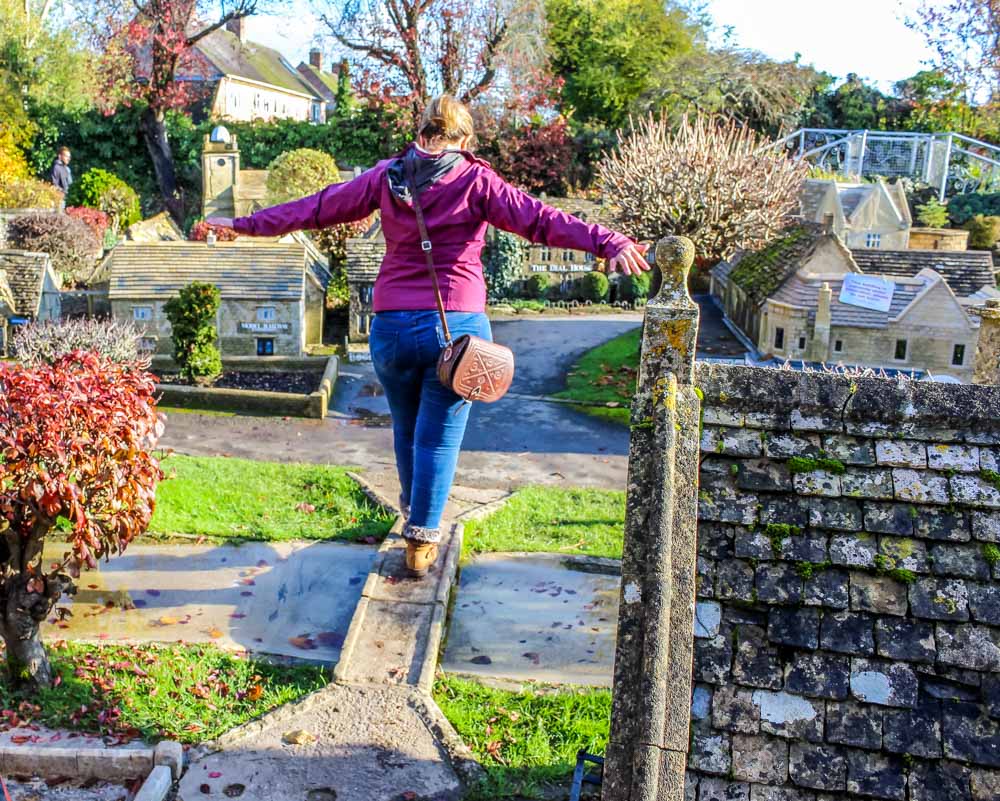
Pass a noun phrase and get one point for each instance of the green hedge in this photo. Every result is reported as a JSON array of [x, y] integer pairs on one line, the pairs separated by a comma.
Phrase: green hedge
[[962, 208]]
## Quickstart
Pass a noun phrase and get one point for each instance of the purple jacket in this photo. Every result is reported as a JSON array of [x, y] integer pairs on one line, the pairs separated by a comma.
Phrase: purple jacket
[[458, 205]]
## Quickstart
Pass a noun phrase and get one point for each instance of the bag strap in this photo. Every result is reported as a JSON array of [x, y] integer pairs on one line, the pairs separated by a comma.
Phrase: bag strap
[[425, 240]]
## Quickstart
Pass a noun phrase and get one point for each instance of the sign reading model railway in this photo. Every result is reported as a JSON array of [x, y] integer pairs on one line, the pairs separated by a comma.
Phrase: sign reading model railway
[[264, 328], [867, 291]]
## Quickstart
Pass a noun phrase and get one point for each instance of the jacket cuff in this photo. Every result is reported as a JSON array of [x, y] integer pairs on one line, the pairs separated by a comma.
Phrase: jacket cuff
[[243, 225], [617, 245]]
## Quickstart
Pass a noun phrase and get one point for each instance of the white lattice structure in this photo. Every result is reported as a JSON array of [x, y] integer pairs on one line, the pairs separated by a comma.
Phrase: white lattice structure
[[951, 162]]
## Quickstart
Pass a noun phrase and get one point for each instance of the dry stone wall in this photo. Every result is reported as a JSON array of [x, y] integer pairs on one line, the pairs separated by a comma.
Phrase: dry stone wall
[[847, 623]]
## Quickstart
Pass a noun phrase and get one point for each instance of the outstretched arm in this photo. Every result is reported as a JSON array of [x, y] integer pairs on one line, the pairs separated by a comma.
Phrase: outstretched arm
[[515, 211], [338, 203]]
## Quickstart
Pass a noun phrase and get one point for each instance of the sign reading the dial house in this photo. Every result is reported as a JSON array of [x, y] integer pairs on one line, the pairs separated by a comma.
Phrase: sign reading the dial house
[[264, 328]]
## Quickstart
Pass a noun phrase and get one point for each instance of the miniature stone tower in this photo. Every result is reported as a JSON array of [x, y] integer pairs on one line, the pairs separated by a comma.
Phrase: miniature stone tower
[[220, 170]]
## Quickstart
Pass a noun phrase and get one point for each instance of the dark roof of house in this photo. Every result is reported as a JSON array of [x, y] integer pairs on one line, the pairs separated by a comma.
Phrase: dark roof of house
[[805, 294], [323, 83], [25, 278], [965, 271], [272, 270], [761, 272], [250, 60]]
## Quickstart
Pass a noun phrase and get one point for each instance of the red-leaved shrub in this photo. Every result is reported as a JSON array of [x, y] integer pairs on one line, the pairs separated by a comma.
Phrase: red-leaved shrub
[[76, 438], [96, 220], [536, 158], [199, 232]]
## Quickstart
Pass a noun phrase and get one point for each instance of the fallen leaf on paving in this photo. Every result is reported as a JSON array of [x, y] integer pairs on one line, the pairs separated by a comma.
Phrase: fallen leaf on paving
[[205, 789], [166, 620], [299, 737], [215, 633], [304, 642], [214, 774]]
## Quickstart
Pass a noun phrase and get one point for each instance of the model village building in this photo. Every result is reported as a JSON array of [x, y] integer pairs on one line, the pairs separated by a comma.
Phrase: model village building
[[273, 291], [789, 299], [864, 215], [29, 290]]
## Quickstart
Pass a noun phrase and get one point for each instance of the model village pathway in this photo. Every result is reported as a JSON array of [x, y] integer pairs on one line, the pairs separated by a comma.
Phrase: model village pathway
[[515, 617]]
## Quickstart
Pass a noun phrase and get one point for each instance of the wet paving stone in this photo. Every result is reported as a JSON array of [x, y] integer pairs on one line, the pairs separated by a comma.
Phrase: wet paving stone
[[288, 599], [529, 617]]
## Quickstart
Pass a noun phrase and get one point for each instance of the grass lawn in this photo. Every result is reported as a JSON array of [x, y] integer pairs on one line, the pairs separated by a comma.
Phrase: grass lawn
[[237, 498], [606, 374], [168, 410], [570, 521], [525, 740], [189, 693]]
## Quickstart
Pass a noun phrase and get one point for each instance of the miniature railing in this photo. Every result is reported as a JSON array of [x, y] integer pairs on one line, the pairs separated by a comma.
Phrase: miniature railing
[[950, 162]]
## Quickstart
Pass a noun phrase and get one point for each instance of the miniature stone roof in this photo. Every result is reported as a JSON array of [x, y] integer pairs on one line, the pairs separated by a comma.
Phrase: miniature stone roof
[[760, 273], [965, 271], [241, 269], [158, 228], [25, 278], [852, 197], [251, 60], [804, 293]]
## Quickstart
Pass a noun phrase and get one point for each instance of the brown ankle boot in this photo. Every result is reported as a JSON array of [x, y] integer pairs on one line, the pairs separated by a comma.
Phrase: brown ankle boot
[[420, 557]]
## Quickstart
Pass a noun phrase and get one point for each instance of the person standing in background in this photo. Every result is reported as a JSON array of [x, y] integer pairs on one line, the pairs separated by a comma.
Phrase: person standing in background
[[61, 176]]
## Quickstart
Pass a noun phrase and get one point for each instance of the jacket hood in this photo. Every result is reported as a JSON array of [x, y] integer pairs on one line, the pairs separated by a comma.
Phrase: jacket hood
[[429, 168]]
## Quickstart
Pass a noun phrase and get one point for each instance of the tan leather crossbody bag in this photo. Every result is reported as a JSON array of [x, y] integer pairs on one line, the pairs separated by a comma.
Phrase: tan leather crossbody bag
[[470, 366]]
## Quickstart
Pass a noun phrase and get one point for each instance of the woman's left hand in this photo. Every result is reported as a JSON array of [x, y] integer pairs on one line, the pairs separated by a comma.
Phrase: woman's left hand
[[630, 261]]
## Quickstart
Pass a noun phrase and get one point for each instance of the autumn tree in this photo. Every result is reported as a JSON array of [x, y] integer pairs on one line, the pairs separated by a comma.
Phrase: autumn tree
[[150, 60], [414, 49], [77, 438], [965, 37]]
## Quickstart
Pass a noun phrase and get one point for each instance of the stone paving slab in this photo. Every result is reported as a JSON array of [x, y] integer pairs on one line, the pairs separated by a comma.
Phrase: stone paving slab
[[371, 744], [284, 598], [39, 790], [526, 617]]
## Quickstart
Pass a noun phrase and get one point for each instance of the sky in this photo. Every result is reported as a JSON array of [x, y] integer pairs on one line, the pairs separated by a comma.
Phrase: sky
[[868, 37]]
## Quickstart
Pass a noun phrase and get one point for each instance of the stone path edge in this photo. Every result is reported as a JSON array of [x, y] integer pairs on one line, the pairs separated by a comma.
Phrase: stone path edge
[[104, 764]]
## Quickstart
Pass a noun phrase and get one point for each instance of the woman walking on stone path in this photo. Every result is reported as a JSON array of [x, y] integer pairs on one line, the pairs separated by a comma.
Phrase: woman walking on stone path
[[460, 195]]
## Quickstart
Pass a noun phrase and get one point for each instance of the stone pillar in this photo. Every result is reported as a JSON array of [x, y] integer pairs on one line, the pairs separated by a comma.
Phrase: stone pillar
[[220, 172], [986, 368], [819, 346], [650, 719]]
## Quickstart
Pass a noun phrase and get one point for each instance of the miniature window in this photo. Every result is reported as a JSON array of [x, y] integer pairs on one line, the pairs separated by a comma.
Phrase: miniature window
[[147, 344], [838, 346], [958, 355], [900, 353], [589, 258], [144, 313], [779, 338], [545, 254], [265, 346], [802, 343], [567, 255], [266, 314], [873, 240]]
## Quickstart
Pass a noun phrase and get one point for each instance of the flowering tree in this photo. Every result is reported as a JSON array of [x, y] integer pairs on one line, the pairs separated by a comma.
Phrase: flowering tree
[[714, 182], [149, 59], [76, 438]]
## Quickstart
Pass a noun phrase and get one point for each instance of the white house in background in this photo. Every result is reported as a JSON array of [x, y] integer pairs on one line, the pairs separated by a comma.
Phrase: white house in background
[[875, 215], [251, 81]]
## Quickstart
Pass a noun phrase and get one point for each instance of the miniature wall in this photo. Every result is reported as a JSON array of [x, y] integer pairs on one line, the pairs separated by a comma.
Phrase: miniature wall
[[847, 626]]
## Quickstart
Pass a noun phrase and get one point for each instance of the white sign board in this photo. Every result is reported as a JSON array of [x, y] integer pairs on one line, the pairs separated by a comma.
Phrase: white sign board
[[867, 291]]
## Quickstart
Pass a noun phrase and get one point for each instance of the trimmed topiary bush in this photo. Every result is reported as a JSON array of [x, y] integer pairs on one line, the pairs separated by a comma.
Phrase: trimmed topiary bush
[[69, 242], [932, 214], [635, 287], [100, 189], [192, 320], [503, 264], [538, 285], [46, 343], [983, 232], [594, 286], [297, 173]]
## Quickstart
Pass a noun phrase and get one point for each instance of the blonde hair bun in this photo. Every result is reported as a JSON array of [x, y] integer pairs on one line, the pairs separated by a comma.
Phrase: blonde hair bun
[[446, 118]]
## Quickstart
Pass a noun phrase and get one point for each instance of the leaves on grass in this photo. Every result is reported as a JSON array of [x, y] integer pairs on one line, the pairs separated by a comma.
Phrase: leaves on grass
[[306, 508]]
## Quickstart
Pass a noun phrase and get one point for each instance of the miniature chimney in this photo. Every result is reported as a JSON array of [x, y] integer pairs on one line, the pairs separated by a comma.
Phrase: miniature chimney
[[238, 27], [210, 237], [819, 347], [316, 58], [986, 367]]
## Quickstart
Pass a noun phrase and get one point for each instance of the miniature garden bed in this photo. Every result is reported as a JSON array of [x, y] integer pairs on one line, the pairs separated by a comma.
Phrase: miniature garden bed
[[293, 388], [227, 498], [603, 379], [561, 307]]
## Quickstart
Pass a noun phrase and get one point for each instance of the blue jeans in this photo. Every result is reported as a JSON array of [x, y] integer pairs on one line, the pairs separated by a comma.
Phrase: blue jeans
[[428, 420]]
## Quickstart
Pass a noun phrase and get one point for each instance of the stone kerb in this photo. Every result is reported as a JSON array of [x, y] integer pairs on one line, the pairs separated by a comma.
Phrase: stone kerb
[[652, 680]]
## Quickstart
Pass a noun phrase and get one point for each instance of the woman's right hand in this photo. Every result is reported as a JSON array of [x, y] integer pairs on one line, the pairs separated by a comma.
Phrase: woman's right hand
[[631, 261], [220, 222]]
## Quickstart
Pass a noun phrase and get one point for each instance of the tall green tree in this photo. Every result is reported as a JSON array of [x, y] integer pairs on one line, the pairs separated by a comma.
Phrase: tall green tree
[[608, 52]]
